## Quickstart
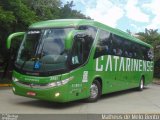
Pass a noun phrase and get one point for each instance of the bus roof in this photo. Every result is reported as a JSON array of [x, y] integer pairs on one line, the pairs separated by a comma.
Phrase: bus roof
[[78, 22]]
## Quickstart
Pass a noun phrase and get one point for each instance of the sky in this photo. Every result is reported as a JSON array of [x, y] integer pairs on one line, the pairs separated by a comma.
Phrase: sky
[[134, 15]]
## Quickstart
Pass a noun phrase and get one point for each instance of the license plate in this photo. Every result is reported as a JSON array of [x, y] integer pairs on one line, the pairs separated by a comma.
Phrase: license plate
[[31, 93]]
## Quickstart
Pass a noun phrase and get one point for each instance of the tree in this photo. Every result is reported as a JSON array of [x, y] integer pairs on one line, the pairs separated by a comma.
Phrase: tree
[[24, 16], [45, 9], [14, 16], [67, 12], [7, 19]]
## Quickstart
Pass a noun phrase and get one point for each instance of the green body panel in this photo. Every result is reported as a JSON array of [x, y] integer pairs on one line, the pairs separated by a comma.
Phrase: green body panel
[[116, 80], [112, 78]]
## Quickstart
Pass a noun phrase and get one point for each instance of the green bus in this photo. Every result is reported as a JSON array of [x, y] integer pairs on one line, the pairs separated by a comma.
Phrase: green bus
[[71, 59]]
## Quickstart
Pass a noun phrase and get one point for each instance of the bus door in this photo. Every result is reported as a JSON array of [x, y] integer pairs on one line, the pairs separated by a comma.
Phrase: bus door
[[78, 59]]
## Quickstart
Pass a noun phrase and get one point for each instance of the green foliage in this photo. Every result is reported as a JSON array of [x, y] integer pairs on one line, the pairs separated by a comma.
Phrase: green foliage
[[44, 9], [67, 12], [6, 17], [24, 16], [14, 16]]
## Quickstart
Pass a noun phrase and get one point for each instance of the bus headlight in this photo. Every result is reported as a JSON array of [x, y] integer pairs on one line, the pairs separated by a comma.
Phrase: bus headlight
[[59, 83], [15, 79]]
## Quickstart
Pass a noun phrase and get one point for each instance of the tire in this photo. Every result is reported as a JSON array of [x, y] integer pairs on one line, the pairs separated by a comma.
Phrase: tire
[[141, 84], [95, 91]]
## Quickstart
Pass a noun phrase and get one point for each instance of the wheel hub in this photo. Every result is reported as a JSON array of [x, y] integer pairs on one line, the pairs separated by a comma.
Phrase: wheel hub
[[94, 91], [141, 84]]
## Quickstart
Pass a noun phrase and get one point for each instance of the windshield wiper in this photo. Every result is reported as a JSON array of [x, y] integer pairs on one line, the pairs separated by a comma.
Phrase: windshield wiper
[[23, 64]]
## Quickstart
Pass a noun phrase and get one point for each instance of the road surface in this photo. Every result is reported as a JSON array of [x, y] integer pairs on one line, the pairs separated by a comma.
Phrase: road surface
[[129, 101]]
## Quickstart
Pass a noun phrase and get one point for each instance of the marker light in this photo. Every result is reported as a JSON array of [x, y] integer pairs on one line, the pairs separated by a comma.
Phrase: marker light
[[57, 94]]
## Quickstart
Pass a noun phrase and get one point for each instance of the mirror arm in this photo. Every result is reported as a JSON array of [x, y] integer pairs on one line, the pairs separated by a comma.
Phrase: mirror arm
[[70, 38], [13, 36]]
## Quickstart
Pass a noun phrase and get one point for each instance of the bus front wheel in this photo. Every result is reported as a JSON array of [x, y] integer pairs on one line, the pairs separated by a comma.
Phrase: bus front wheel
[[95, 91]]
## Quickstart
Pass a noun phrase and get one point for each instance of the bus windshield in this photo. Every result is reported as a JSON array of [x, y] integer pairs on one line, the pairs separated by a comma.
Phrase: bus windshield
[[43, 50]]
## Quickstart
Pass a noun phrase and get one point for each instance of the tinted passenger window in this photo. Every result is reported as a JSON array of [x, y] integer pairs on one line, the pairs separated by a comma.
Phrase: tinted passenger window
[[104, 44], [117, 47], [111, 44], [147, 53]]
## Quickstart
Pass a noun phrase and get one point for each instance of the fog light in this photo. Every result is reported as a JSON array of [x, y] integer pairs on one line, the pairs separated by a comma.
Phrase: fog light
[[57, 94], [14, 89]]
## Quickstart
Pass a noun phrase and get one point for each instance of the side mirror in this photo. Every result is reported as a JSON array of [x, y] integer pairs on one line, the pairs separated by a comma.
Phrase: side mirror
[[71, 36], [11, 36]]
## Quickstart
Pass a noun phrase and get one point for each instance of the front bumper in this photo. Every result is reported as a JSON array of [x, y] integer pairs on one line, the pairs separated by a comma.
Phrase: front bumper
[[56, 94]]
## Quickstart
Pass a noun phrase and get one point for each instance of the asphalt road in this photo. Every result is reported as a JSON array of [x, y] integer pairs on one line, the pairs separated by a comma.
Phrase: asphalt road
[[129, 101]]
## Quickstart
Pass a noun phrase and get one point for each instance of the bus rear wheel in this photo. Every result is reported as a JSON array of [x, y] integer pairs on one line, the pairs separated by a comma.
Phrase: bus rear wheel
[[141, 84], [95, 91]]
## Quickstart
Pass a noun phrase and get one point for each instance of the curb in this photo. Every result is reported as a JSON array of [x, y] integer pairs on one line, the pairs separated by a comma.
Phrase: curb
[[5, 85]]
